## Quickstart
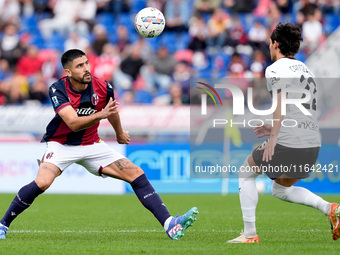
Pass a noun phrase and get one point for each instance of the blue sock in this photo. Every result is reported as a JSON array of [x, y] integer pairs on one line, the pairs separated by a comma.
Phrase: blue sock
[[150, 199], [22, 201]]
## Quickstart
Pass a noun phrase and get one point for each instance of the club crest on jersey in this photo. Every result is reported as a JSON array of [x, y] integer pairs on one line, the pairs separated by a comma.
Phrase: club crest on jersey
[[95, 99], [55, 101]]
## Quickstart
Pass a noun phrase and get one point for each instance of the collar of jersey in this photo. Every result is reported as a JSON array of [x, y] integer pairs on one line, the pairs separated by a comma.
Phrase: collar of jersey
[[78, 92]]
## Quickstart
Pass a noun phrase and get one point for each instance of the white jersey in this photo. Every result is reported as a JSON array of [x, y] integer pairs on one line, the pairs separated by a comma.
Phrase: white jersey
[[292, 73]]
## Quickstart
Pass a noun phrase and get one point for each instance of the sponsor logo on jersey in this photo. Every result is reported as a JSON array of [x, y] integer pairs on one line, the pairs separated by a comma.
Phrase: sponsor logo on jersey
[[85, 111], [274, 80], [55, 101], [95, 99]]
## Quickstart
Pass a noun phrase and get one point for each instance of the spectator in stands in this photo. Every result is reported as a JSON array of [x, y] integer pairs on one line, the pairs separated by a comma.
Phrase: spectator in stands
[[10, 45], [329, 6], [302, 9], [159, 4], [236, 34], [284, 6], [257, 34], [145, 49], [262, 8], [275, 16], [311, 33], [198, 32], [5, 71], [30, 64], [127, 98], [236, 64], [129, 70], [64, 20], [27, 7], [240, 6], [202, 7], [91, 56], [159, 69], [9, 13], [75, 41], [107, 63], [15, 88], [38, 90], [49, 68], [123, 39], [100, 38], [259, 64], [177, 15], [218, 24], [176, 95], [182, 74], [258, 37], [85, 18]]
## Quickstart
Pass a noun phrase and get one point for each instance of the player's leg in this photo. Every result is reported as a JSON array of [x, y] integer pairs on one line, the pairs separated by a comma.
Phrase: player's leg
[[283, 189], [26, 195], [125, 170], [248, 199]]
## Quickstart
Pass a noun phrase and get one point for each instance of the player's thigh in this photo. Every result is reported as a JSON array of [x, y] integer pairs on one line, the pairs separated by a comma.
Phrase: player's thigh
[[46, 175], [286, 181], [123, 169], [98, 156]]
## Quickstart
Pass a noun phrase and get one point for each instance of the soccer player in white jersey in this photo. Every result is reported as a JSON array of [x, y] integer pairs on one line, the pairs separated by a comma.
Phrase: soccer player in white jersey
[[286, 146]]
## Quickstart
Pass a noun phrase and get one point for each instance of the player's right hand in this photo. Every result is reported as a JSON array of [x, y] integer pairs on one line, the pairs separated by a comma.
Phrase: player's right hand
[[110, 109], [261, 131]]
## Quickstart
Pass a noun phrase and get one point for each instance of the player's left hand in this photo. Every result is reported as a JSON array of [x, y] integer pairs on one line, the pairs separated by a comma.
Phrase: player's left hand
[[123, 138], [268, 149]]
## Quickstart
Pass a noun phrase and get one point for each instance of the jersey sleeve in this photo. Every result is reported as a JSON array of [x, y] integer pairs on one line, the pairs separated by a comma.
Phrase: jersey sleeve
[[58, 98], [110, 92]]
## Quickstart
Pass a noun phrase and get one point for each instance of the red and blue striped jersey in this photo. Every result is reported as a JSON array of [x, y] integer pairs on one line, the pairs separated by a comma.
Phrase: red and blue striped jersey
[[89, 101]]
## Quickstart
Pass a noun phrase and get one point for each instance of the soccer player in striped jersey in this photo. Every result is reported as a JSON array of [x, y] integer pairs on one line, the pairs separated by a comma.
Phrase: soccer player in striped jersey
[[296, 145], [80, 101]]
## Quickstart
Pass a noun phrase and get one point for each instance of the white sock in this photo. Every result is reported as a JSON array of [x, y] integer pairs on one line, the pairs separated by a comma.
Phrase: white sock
[[302, 196], [167, 223], [248, 198]]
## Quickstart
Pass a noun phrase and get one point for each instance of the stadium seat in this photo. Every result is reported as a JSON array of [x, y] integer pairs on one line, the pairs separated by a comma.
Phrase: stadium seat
[[29, 23], [301, 56], [126, 20], [332, 21], [143, 97], [38, 40], [56, 42], [136, 6], [169, 40], [107, 20]]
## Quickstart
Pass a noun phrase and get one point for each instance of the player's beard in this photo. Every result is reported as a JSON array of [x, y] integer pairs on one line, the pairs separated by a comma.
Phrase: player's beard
[[85, 79]]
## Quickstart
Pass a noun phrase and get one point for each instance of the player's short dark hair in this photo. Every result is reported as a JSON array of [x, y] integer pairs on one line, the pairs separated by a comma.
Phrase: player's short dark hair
[[288, 37], [71, 55]]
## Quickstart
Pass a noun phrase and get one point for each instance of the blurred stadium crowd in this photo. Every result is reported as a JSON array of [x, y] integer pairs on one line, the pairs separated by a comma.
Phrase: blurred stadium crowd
[[203, 38]]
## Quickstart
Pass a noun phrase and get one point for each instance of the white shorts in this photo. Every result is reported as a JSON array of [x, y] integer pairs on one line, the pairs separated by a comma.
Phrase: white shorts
[[93, 157]]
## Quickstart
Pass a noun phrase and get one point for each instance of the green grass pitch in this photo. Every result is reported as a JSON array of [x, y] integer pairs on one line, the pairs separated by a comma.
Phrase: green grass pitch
[[90, 224]]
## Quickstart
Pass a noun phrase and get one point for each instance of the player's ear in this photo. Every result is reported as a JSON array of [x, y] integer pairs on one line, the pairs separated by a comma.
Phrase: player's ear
[[68, 72]]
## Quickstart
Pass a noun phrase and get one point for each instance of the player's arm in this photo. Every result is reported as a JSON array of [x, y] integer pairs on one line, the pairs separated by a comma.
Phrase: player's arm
[[76, 123], [123, 137], [270, 146]]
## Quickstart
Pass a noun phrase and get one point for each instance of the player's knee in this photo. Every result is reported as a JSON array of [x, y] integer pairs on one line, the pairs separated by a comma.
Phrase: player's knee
[[279, 191], [139, 171], [43, 184]]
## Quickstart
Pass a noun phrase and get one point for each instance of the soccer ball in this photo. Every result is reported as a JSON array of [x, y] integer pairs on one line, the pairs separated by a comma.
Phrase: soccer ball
[[149, 22]]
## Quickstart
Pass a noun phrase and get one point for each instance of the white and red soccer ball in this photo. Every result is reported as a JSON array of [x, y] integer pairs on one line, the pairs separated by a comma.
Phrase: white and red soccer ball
[[149, 22]]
